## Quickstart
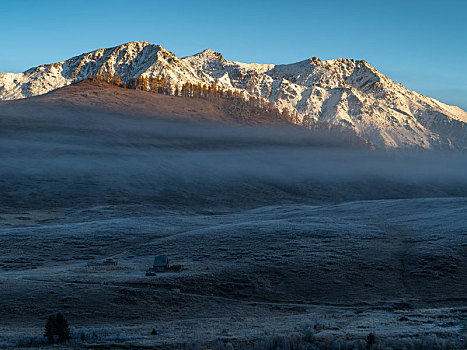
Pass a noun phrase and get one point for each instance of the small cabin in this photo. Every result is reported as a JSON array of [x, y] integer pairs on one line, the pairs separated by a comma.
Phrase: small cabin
[[110, 262], [161, 263]]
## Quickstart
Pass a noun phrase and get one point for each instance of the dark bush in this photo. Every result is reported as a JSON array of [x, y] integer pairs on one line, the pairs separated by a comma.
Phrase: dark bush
[[57, 327], [370, 340]]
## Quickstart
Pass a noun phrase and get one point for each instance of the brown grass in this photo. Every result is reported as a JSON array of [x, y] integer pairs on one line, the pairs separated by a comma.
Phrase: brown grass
[[101, 96]]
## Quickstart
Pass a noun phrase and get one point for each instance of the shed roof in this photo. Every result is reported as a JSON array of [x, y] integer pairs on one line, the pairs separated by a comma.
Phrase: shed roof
[[161, 260]]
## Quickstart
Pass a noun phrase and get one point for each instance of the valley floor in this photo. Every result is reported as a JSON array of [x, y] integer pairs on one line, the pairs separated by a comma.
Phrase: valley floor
[[272, 275]]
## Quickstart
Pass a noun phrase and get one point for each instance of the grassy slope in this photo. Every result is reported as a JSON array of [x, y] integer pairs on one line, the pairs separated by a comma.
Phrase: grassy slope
[[103, 97]]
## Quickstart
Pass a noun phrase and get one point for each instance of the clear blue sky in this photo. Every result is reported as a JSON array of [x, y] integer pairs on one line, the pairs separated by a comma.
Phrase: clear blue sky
[[421, 44]]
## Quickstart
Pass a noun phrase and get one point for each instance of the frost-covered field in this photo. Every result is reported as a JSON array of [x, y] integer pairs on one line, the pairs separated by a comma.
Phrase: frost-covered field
[[392, 267]]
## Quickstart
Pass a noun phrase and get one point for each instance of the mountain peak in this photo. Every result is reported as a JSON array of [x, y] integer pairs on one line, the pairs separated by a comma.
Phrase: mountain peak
[[137, 43], [138, 46], [208, 54]]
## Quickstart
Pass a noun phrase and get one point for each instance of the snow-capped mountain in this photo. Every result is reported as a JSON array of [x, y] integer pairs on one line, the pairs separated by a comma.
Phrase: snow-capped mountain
[[341, 91]]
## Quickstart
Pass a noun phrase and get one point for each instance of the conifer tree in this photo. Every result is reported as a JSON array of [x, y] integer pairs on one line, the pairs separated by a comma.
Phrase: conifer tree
[[108, 77], [132, 83], [117, 80], [57, 326], [163, 86]]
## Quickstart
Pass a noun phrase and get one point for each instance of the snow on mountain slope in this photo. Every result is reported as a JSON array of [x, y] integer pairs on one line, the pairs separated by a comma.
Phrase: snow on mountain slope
[[129, 60], [341, 91]]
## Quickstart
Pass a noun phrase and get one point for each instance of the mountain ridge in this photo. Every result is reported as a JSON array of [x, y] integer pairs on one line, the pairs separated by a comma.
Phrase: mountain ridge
[[340, 91]]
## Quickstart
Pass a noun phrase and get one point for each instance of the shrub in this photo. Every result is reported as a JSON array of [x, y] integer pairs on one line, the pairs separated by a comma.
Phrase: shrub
[[370, 340], [57, 327]]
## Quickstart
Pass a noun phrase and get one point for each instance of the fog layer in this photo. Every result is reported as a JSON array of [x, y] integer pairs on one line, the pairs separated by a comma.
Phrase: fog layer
[[74, 160]]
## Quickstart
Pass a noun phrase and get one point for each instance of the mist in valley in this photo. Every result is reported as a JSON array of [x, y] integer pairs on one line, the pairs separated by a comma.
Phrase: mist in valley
[[86, 159]]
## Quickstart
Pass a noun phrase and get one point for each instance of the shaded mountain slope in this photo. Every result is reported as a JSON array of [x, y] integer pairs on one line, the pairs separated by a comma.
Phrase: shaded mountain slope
[[89, 107], [98, 96]]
